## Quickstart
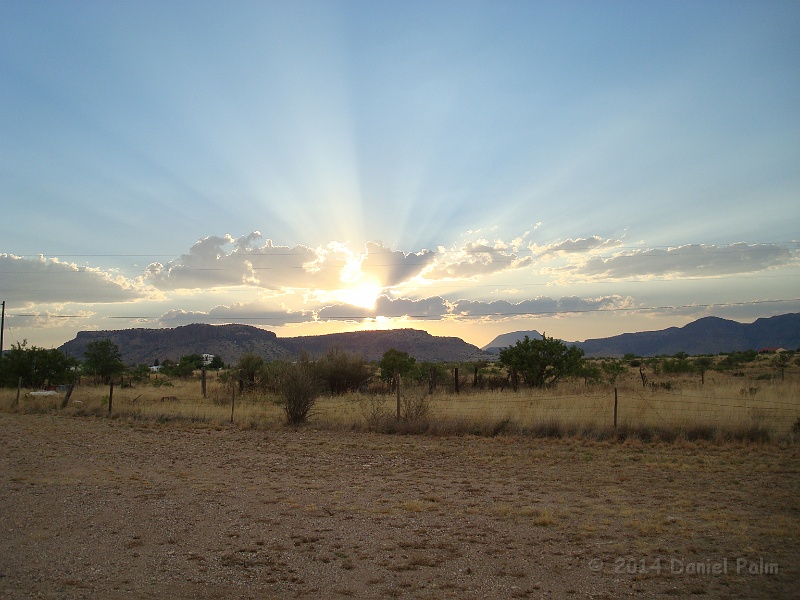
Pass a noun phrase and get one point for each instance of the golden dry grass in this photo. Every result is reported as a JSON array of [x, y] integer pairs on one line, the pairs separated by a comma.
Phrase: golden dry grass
[[725, 407]]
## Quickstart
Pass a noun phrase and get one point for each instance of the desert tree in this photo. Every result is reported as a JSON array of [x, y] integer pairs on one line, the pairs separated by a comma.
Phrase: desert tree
[[613, 369], [703, 364], [396, 361], [248, 369], [103, 359], [780, 362], [36, 367], [542, 362]]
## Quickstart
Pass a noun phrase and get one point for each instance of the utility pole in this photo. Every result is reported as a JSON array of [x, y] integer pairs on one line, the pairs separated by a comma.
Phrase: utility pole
[[2, 327]]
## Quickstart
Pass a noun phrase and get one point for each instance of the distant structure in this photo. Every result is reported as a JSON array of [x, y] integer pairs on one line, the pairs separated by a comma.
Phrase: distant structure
[[207, 359]]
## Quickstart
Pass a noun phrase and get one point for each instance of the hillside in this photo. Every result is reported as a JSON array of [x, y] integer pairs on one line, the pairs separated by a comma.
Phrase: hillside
[[509, 339], [372, 344], [709, 335], [144, 346]]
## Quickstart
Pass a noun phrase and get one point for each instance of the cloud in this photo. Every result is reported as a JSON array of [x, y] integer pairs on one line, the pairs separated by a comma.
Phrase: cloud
[[695, 260], [255, 313], [48, 319], [475, 259], [390, 268], [576, 246], [438, 308], [425, 308], [542, 305], [215, 262], [48, 280]]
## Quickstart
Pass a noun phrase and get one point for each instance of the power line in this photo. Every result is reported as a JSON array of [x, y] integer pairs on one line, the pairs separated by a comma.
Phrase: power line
[[717, 249], [366, 315]]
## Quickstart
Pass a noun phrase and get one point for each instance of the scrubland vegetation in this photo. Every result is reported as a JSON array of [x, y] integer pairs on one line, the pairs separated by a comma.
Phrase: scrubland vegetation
[[738, 396]]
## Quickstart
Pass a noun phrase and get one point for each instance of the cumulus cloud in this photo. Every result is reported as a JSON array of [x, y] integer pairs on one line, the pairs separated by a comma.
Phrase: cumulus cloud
[[475, 259], [47, 319], [694, 260], [437, 307], [391, 268], [257, 313], [425, 308], [49, 280], [215, 262], [576, 246], [542, 305]]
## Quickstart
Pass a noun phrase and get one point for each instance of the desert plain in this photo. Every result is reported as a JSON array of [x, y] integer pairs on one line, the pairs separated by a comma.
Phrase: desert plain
[[93, 507]]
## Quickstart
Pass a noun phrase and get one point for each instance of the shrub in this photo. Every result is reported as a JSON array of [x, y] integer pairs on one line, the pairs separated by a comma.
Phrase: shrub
[[298, 390], [414, 408], [343, 372]]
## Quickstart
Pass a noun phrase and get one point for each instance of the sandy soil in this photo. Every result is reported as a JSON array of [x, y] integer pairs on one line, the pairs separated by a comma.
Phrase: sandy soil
[[97, 508]]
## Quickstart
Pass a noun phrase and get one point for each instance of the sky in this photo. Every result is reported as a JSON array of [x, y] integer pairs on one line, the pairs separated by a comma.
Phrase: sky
[[582, 169]]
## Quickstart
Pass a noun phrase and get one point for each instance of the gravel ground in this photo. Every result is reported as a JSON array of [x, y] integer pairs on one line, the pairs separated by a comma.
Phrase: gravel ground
[[98, 508]]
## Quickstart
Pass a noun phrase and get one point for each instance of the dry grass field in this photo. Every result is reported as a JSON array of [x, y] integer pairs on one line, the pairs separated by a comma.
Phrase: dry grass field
[[527, 494]]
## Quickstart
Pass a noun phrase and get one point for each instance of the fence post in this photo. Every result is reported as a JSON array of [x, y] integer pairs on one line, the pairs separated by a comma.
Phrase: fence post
[[397, 387], [615, 409], [69, 392], [432, 381], [110, 395], [233, 400], [455, 376], [19, 389], [204, 382]]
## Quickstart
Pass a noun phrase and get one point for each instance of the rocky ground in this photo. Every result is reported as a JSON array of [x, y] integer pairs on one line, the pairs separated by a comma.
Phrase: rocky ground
[[105, 508]]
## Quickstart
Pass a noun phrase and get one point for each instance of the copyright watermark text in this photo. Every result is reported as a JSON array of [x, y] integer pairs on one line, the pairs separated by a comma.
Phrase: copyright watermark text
[[676, 566]]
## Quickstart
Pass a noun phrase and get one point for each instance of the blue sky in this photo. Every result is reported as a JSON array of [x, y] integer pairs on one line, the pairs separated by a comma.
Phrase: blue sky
[[469, 168]]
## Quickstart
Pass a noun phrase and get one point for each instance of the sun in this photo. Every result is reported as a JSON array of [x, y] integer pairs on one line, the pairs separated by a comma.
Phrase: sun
[[363, 295]]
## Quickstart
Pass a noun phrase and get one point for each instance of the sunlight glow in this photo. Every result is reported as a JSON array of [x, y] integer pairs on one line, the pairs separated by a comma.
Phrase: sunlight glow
[[364, 295]]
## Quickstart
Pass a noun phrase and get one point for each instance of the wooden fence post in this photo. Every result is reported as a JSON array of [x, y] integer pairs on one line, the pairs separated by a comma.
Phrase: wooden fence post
[[455, 379], [397, 387], [19, 389], [69, 392], [432, 381], [110, 396], [615, 409], [204, 382], [233, 400]]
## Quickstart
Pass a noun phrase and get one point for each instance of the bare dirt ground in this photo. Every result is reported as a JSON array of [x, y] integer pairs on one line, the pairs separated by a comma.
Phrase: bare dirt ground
[[98, 508]]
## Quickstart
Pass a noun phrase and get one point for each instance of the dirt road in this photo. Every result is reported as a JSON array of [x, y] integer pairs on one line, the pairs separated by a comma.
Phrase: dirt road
[[97, 508]]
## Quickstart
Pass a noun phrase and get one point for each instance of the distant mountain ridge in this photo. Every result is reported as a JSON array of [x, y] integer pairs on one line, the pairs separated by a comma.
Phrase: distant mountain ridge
[[144, 346], [709, 335]]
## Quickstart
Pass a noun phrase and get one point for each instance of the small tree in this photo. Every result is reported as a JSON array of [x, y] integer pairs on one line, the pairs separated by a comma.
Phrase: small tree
[[102, 359], [613, 369], [342, 371], [248, 369], [780, 362], [542, 362], [396, 360], [703, 364], [590, 373], [36, 366]]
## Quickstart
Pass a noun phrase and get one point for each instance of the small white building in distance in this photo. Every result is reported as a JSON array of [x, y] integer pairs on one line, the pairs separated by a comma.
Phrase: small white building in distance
[[207, 359]]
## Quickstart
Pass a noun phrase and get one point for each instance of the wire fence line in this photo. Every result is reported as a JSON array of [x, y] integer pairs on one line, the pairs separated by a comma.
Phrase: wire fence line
[[634, 407]]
